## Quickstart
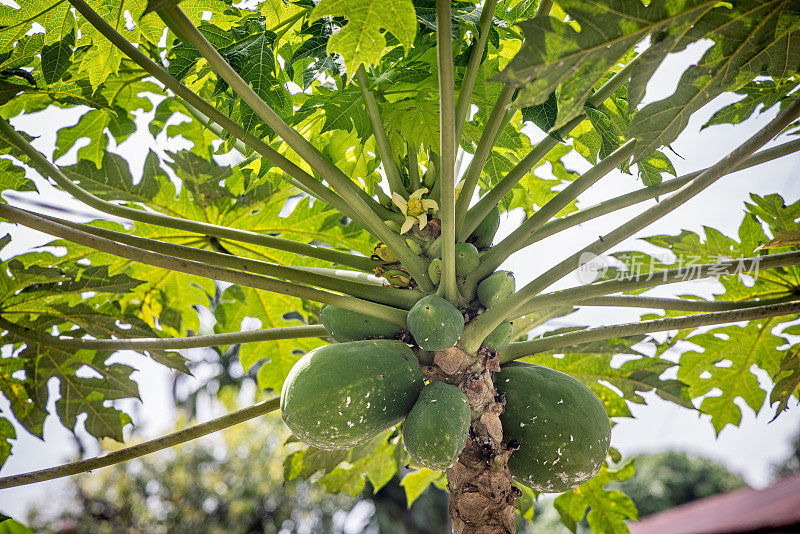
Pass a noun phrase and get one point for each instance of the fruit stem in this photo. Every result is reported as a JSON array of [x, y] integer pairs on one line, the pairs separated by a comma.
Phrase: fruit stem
[[516, 239], [655, 191], [576, 295], [473, 67], [482, 150]]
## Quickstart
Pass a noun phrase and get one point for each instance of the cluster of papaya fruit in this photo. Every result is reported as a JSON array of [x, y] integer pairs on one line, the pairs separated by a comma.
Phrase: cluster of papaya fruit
[[342, 395]]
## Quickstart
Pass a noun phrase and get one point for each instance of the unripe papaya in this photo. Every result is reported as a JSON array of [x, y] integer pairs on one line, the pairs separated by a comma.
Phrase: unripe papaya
[[496, 288], [467, 259], [346, 325], [435, 271], [483, 235], [342, 395], [562, 429], [437, 427], [500, 336], [435, 323]]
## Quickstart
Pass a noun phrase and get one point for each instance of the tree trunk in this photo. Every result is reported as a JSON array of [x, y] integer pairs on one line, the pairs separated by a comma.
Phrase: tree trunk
[[481, 494]]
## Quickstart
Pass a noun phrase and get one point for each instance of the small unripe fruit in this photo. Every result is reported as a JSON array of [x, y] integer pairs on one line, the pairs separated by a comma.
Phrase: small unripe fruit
[[496, 288], [467, 259], [435, 271], [435, 323], [483, 235]]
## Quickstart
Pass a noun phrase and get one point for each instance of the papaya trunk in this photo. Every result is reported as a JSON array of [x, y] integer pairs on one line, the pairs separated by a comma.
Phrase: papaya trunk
[[481, 494]]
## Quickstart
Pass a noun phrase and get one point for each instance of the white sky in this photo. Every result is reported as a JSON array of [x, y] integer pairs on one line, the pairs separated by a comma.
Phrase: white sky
[[751, 449]]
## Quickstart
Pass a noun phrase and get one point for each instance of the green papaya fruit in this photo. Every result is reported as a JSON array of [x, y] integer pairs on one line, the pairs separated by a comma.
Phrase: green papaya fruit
[[483, 235], [347, 325], [437, 427], [500, 336], [496, 288], [342, 395], [467, 259], [562, 428], [435, 271], [435, 323]]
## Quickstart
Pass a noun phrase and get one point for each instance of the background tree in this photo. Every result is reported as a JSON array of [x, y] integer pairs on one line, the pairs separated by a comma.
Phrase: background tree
[[335, 102]]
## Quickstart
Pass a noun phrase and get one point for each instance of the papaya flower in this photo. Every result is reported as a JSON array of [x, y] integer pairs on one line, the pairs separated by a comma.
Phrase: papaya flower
[[415, 208]]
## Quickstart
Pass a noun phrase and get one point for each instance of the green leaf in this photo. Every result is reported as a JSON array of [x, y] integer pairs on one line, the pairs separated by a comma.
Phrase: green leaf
[[608, 509], [104, 59], [555, 55], [374, 460], [10, 526], [787, 382], [57, 58], [416, 482], [7, 433], [759, 95], [54, 17], [525, 503], [743, 34], [543, 115], [730, 358], [13, 177], [360, 40]]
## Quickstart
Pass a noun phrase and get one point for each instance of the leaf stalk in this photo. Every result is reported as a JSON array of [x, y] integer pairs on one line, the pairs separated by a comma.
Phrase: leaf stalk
[[148, 447], [548, 343], [195, 268], [447, 148]]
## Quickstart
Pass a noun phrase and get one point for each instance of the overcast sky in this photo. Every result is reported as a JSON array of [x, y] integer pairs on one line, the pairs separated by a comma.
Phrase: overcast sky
[[750, 450]]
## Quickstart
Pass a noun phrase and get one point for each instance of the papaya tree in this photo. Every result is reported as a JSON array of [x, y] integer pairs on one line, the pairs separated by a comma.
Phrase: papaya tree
[[343, 169]]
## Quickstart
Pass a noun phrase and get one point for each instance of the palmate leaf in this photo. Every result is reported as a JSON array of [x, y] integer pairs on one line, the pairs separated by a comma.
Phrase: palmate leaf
[[103, 58], [360, 40], [57, 58], [55, 17], [729, 354], [749, 41], [608, 509], [724, 367], [759, 95], [787, 381], [691, 249], [557, 56], [13, 177], [7, 433], [79, 394], [343, 110], [416, 482], [43, 298]]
